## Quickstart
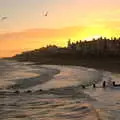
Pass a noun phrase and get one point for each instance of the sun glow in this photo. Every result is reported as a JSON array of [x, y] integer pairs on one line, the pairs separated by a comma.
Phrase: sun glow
[[95, 32], [25, 28], [93, 37]]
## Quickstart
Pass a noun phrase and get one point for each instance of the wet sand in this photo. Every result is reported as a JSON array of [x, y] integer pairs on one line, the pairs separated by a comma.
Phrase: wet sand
[[59, 100]]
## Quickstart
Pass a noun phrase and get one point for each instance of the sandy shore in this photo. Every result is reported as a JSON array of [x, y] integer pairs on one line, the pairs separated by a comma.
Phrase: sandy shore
[[64, 99], [107, 64]]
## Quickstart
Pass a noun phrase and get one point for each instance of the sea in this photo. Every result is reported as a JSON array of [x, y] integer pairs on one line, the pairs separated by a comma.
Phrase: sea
[[56, 92]]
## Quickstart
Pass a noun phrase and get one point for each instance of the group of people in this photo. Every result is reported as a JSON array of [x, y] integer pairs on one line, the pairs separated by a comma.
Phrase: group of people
[[108, 84]]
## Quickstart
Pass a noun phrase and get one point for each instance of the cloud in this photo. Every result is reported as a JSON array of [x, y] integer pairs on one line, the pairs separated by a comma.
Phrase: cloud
[[42, 33]]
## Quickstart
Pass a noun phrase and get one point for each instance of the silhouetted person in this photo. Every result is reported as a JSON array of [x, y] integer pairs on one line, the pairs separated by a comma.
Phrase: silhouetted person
[[83, 86], [28, 91], [104, 84], [113, 83], [17, 92], [40, 90], [116, 85], [94, 86]]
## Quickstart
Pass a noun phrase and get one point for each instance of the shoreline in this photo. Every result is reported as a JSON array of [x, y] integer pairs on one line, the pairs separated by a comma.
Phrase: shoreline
[[111, 65], [30, 82], [97, 64]]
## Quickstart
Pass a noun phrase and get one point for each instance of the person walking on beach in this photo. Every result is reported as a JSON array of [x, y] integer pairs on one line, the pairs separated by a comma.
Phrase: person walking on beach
[[94, 86], [104, 84], [113, 83]]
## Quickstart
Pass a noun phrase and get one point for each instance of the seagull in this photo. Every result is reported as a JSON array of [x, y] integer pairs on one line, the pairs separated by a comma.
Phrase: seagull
[[45, 14], [3, 18]]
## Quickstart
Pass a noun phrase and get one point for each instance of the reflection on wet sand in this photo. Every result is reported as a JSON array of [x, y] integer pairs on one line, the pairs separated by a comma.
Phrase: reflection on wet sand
[[60, 95], [46, 107]]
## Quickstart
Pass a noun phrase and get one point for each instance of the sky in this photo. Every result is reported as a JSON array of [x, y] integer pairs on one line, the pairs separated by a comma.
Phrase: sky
[[27, 28]]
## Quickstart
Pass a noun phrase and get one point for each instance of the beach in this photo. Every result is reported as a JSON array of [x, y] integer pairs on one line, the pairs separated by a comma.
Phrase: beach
[[56, 92]]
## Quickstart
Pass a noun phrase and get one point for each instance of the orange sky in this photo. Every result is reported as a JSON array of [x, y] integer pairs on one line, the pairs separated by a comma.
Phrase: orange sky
[[26, 28]]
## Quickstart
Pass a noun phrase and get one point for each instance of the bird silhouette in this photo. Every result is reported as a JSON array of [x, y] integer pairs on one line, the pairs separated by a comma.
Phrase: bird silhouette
[[45, 14], [3, 18]]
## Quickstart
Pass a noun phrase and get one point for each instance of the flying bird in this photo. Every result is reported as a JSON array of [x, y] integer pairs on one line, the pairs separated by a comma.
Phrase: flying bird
[[45, 14], [3, 18]]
